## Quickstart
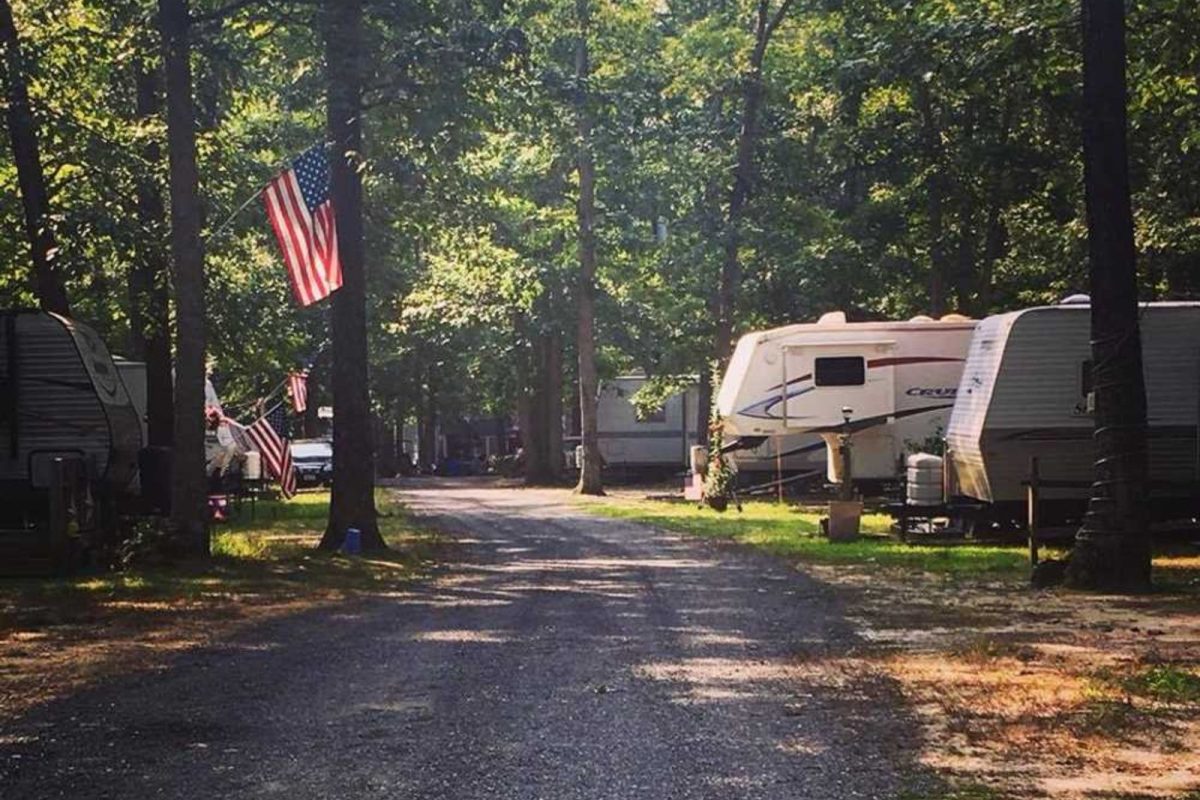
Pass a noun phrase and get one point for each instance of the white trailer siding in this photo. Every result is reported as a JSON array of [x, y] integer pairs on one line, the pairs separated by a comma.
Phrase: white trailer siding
[[62, 395], [662, 440], [1023, 395], [898, 378]]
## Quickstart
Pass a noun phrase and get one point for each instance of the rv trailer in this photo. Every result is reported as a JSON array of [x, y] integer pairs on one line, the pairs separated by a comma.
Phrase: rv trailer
[[69, 438], [1026, 392], [217, 441], [659, 442], [655, 443], [893, 381]]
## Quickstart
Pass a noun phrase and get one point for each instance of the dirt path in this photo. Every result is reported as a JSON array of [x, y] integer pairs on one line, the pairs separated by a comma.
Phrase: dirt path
[[563, 656]]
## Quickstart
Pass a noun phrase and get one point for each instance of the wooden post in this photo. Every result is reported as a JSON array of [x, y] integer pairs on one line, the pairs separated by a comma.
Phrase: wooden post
[[1031, 494], [779, 468]]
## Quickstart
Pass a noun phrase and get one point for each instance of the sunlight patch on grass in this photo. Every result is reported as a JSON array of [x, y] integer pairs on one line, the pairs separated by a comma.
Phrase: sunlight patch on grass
[[793, 532]]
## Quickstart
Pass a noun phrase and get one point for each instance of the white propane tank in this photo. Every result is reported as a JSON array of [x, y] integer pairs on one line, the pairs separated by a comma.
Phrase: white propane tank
[[698, 459], [253, 469], [924, 480]]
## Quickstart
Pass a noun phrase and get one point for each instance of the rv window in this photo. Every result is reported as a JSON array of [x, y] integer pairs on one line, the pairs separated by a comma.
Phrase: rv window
[[840, 371]]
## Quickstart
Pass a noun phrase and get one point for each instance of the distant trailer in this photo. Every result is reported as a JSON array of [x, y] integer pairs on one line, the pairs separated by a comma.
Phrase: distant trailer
[[1026, 392], [896, 381], [660, 441]]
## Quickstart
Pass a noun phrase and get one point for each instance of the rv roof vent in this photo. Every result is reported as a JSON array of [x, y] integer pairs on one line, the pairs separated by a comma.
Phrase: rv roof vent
[[955, 318], [921, 318], [832, 318], [1075, 300]]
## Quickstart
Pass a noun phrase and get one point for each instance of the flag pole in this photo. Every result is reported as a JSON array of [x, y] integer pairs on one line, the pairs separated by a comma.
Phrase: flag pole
[[229, 220]]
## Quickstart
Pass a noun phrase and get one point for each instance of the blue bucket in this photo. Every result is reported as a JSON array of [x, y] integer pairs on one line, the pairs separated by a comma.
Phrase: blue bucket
[[353, 542]]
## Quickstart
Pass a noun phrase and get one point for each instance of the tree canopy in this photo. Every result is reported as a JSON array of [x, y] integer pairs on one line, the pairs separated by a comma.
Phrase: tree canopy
[[908, 158]]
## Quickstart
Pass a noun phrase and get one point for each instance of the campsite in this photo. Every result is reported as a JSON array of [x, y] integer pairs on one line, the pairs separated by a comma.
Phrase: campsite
[[600, 399]]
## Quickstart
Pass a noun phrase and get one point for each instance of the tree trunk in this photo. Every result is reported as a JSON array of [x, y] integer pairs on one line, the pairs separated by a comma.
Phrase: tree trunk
[[590, 478], [22, 133], [427, 432], [149, 278], [1112, 548], [189, 511], [553, 391], [353, 501], [935, 197], [704, 402], [534, 430], [730, 284]]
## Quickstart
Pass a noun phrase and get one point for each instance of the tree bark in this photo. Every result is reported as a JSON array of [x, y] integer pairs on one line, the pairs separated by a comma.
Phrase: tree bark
[[23, 135], [590, 477], [704, 401], [189, 512], [149, 276], [730, 283], [533, 408], [554, 405], [352, 504], [427, 430], [935, 197], [1112, 548]]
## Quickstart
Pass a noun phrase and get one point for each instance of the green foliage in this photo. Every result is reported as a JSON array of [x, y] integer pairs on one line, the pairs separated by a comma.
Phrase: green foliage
[[898, 143], [720, 479], [1165, 683]]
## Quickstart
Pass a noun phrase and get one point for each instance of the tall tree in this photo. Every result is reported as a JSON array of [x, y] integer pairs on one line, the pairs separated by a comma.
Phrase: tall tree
[[1112, 548], [590, 478], [188, 500], [149, 284], [730, 282], [23, 135], [352, 504]]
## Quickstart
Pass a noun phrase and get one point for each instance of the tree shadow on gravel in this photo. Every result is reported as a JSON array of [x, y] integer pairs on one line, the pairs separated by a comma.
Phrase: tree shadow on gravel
[[563, 656]]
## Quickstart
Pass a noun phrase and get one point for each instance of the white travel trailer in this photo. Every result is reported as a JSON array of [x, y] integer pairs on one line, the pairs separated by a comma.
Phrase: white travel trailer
[[1025, 393], [898, 380], [660, 442]]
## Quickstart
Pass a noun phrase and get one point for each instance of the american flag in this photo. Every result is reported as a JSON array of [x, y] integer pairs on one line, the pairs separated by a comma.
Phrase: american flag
[[301, 213], [275, 450], [298, 389]]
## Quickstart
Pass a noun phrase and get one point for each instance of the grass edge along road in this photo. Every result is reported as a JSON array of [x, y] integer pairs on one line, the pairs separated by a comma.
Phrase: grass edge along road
[[793, 532], [58, 634], [1020, 693]]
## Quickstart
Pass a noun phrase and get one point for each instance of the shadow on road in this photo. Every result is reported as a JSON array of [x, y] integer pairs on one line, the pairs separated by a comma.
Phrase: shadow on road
[[562, 656]]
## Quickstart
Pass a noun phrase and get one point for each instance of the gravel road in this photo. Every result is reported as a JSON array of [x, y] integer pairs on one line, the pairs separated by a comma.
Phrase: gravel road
[[561, 656]]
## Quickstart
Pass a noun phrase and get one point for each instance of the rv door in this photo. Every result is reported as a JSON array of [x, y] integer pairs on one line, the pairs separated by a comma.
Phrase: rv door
[[822, 378]]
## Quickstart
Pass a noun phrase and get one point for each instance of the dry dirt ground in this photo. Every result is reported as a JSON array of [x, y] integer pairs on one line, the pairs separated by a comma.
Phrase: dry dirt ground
[[1045, 693]]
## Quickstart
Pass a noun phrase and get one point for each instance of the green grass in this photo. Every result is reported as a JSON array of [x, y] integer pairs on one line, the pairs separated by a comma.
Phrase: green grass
[[792, 532], [1164, 683], [270, 558]]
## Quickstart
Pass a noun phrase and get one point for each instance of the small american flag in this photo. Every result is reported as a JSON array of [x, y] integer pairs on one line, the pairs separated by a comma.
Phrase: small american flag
[[298, 389], [301, 212], [276, 453]]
